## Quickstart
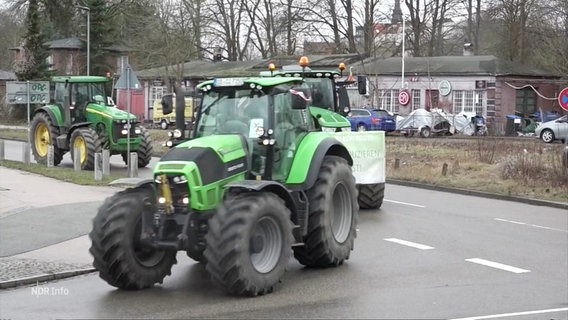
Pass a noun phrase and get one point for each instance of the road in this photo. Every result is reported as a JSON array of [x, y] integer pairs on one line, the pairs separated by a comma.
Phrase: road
[[424, 255]]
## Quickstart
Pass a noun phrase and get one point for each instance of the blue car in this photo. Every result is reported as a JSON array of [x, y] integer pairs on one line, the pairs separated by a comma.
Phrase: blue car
[[371, 119]]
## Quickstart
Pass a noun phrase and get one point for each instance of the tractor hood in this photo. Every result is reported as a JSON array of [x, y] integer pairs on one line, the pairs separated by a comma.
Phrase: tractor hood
[[214, 157], [329, 119], [109, 112]]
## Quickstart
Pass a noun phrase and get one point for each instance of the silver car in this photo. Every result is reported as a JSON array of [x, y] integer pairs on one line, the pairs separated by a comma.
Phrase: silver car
[[553, 130]]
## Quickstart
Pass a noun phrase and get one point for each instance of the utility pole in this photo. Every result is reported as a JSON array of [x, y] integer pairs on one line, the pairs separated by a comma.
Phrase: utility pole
[[88, 10]]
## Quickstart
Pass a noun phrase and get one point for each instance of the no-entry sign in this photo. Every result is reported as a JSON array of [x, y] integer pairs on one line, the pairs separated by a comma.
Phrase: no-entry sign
[[563, 98]]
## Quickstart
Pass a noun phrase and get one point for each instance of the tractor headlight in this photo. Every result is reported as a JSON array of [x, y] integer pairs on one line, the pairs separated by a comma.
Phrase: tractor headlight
[[169, 144], [177, 133], [124, 131], [180, 179], [185, 200], [137, 130], [161, 200]]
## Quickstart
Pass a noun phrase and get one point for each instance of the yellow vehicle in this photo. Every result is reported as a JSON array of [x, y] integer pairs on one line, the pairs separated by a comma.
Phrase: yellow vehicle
[[166, 120]]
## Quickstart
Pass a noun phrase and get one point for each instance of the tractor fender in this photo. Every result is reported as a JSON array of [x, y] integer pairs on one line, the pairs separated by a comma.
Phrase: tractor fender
[[327, 146], [262, 185], [130, 182], [53, 113]]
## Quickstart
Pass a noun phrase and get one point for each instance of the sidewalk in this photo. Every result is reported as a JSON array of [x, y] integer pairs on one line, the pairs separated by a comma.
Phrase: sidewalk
[[44, 224]]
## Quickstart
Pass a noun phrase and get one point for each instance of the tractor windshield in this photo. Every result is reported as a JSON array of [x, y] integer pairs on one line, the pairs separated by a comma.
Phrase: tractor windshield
[[232, 111], [323, 92]]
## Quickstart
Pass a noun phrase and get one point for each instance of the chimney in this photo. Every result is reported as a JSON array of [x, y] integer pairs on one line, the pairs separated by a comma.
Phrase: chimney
[[468, 49]]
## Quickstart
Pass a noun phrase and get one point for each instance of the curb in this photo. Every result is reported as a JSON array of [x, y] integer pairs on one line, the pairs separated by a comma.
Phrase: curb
[[44, 278], [536, 202]]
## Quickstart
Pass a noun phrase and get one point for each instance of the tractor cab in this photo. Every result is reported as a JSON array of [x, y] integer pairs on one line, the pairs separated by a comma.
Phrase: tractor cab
[[269, 114], [72, 95]]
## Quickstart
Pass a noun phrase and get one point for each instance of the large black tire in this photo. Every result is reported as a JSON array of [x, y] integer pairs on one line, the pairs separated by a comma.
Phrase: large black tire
[[371, 195], [88, 142], [118, 255], [332, 218], [249, 243], [145, 150], [43, 133]]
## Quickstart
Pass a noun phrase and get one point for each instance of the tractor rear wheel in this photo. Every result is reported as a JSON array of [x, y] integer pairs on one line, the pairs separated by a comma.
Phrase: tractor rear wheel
[[248, 243], [43, 134], [332, 218], [371, 195], [88, 142], [119, 256]]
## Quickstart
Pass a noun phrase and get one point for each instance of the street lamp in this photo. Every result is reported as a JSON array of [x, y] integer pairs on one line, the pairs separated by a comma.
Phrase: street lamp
[[88, 36]]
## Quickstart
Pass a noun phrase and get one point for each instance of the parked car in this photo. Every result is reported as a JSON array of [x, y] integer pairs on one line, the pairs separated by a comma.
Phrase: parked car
[[371, 119], [553, 130]]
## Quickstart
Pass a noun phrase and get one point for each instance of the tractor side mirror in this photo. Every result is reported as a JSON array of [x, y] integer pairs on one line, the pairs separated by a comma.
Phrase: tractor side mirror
[[167, 104], [362, 84], [344, 106]]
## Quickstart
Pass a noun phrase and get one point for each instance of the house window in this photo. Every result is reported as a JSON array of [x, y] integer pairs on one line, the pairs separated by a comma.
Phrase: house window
[[388, 100], [49, 61], [464, 101], [415, 99]]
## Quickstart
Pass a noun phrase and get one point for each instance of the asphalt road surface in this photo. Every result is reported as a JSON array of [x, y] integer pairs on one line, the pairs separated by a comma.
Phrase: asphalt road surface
[[423, 255]]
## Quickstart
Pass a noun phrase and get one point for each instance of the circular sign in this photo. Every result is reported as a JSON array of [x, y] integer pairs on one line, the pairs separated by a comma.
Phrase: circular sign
[[444, 87], [563, 98], [403, 97]]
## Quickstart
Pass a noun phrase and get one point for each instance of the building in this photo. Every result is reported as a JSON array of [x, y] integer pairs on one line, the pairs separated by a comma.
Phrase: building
[[486, 85], [68, 56]]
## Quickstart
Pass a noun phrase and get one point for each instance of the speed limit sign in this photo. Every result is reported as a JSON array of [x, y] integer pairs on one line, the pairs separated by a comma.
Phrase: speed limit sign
[[403, 97]]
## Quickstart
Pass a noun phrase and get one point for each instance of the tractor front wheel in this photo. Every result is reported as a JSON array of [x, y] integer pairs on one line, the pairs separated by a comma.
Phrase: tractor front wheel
[[332, 218], [248, 243], [88, 142], [43, 134], [145, 150], [119, 256], [371, 195]]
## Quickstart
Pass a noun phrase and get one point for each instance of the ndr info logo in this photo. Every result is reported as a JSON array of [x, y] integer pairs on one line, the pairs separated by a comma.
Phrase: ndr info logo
[[49, 291]]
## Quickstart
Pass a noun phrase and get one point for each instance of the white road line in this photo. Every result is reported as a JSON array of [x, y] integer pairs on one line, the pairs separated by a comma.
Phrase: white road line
[[497, 265], [405, 203], [410, 244], [531, 225], [524, 313]]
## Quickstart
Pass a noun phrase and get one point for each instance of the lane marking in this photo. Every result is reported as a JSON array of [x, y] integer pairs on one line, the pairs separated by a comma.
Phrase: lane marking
[[524, 313], [405, 203], [497, 265], [410, 244], [531, 225]]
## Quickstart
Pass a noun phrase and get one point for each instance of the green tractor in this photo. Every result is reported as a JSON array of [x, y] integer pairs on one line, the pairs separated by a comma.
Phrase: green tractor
[[257, 183], [329, 105], [81, 116]]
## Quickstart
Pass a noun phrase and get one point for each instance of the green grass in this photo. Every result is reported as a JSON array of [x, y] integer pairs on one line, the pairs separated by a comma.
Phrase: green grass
[[61, 173]]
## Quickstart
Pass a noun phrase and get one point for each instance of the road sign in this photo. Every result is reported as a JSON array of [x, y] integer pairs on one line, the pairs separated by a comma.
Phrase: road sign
[[563, 98], [128, 80], [403, 97], [17, 92], [444, 87]]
